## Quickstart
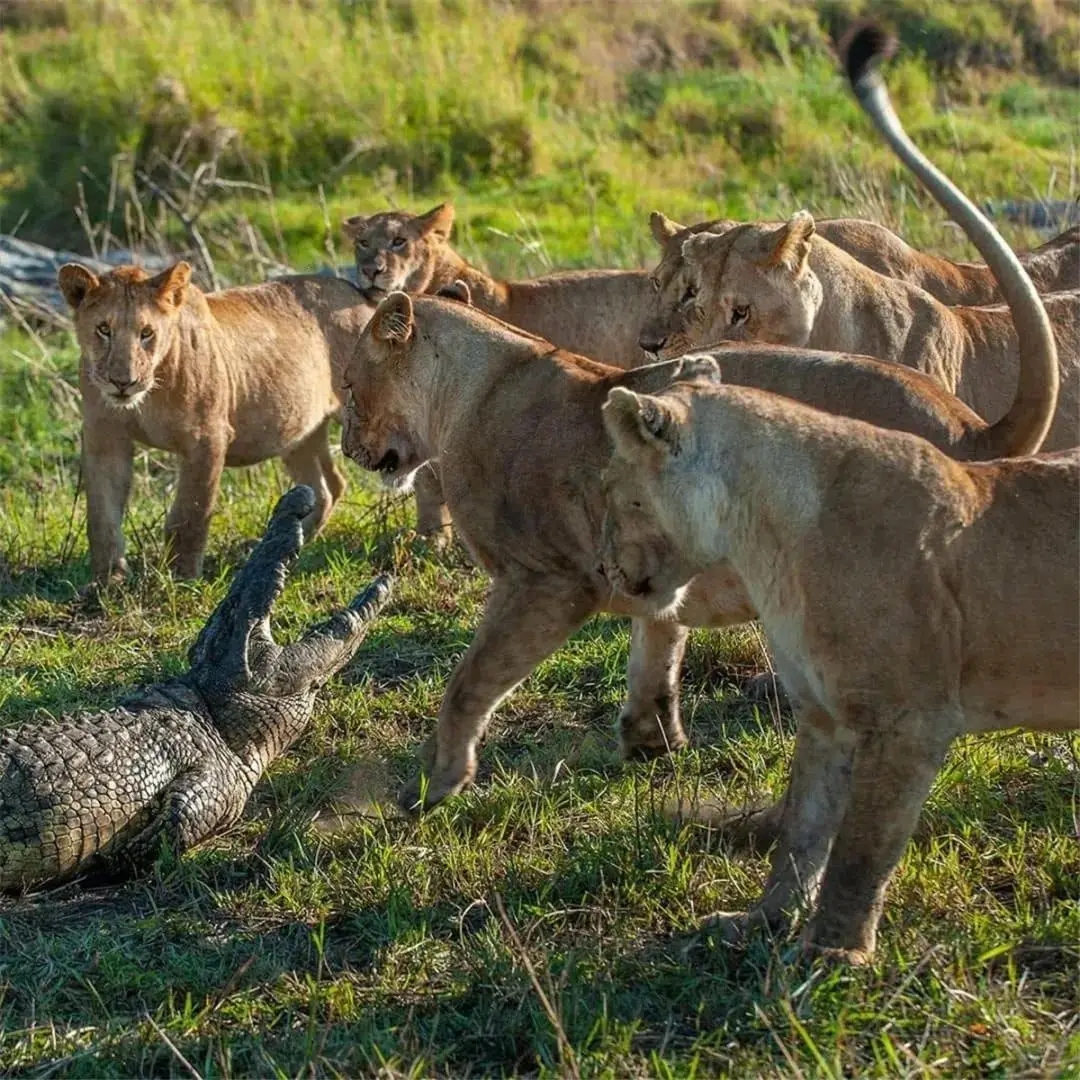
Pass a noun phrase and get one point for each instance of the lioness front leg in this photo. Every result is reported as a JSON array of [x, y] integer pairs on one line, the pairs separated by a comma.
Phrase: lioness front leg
[[809, 816], [649, 722], [188, 523], [310, 463], [107, 456], [524, 622], [894, 767], [432, 514]]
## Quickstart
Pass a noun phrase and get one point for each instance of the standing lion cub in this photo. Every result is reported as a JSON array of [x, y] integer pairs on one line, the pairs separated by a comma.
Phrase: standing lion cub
[[228, 378]]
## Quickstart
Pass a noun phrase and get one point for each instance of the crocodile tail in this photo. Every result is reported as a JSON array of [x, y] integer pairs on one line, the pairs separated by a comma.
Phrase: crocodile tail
[[1023, 428]]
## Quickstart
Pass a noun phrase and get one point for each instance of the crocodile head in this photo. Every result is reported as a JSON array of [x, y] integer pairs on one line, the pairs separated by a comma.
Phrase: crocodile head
[[260, 695]]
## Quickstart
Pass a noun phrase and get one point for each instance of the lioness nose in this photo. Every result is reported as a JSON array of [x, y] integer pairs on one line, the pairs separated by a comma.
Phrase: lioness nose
[[122, 384], [650, 341]]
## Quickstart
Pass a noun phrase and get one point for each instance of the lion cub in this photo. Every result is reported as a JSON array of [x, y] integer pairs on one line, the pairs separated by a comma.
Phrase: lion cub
[[228, 378]]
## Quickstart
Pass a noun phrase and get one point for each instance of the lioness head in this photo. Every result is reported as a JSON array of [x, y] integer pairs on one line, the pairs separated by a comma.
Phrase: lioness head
[[750, 283], [649, 434], [381, 395], [126, 322], [399, 251]]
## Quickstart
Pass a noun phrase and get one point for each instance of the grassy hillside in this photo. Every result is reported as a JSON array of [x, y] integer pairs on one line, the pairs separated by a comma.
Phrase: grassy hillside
[[557, 125], [325, 935]]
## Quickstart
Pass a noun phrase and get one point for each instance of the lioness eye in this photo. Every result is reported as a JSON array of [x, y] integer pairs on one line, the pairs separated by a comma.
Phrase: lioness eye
[[655, 284], [104, 329], [689, 295], [361, 243], [146, 333], [399, 242], [740, 314]]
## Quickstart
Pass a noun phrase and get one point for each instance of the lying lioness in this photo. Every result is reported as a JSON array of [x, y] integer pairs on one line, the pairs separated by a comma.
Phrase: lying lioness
[[1052, 267], [907, 598], [228, 378], [516, 426]]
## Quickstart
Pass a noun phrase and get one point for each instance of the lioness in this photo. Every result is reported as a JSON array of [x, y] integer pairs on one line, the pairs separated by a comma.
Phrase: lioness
[[1052, 267], [908, 598], [785, 284], [516, 426], [228, 378], [592, 312]]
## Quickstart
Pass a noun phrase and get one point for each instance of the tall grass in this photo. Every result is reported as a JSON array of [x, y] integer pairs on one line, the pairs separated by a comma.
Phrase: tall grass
[[597, 111]]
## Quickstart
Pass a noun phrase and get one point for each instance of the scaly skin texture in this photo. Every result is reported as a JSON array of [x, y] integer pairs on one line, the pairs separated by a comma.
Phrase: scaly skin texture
[[98, 795]]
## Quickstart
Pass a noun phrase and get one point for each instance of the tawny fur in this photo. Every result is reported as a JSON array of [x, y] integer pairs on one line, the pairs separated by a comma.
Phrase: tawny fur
[[594, 313], [786, 284], [228, 378], [516, 427], [1052, 267], [907, 599]]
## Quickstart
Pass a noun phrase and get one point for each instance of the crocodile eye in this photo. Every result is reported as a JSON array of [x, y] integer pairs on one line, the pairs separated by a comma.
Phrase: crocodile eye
[[740, 314], [104, 330], [146, 334]]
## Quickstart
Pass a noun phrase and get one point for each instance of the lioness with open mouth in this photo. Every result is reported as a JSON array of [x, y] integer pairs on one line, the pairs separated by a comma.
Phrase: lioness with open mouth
[[908, 598]]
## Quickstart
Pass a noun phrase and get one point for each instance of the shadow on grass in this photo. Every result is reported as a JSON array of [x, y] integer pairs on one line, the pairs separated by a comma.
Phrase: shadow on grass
[[443, 982]]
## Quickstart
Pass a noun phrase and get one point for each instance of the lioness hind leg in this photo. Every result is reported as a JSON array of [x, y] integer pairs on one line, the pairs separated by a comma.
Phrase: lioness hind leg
[[894, 767], [523, 623], [432, 514], [310, 463], [649, 723]]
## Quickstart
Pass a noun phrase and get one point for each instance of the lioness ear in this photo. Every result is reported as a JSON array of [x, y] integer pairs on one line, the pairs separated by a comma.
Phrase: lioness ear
[[352, 227], [697, 367], [640, 426], [393, 319], [457, 290], [792, 248], [75, 282], [437, 222], [663, 228], [171, 285], [695, 248]]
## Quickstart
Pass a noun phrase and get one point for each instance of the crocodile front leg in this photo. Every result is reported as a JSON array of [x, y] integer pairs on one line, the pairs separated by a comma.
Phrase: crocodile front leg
[[202, 800]]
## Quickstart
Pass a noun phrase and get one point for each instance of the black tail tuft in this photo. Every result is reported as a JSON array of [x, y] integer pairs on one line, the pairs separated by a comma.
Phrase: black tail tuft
[[863, 47]]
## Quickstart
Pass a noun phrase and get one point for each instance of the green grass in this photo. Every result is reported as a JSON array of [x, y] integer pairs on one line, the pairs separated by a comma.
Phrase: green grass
[[324, 934]]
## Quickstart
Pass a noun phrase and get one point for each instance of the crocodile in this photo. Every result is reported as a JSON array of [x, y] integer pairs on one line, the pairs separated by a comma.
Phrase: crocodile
[[98, 795]]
